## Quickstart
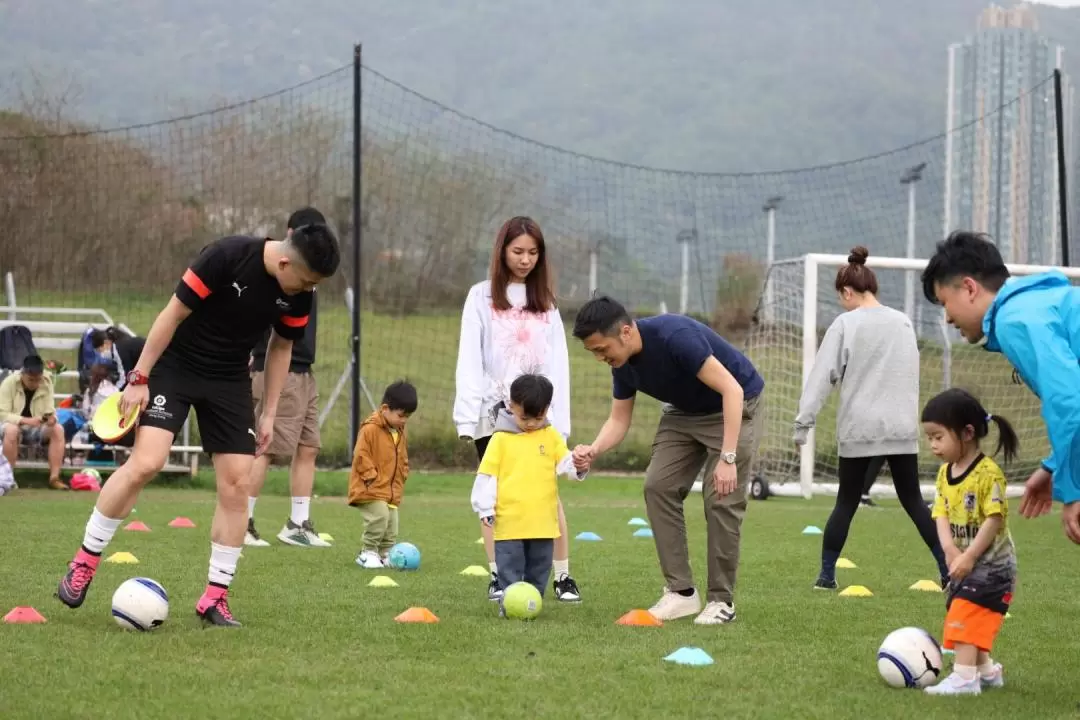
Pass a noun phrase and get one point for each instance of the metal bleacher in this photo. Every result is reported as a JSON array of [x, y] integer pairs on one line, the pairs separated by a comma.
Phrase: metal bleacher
[[63, 332]]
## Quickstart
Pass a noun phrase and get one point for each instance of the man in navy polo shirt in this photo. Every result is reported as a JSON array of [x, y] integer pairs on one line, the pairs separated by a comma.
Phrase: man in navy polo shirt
[[711, 393]]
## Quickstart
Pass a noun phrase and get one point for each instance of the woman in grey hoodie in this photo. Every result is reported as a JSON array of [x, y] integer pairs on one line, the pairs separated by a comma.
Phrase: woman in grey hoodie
[[870, 350]]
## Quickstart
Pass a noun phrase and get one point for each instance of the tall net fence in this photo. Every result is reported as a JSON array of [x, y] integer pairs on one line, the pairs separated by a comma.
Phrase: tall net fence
[[110, 220]]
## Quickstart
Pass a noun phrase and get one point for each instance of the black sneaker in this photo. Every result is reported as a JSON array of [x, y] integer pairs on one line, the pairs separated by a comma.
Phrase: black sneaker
[[566, 590], [867, 501], [494, 592], [217, 613], [824, 584], [75, 584]]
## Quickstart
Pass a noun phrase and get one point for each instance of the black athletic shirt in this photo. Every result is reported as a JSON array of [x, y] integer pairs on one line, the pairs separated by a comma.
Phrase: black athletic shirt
[[303, 350], [233, 300]]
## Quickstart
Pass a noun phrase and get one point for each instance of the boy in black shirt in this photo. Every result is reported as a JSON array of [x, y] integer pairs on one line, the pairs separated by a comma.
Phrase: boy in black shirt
[[196, 355]]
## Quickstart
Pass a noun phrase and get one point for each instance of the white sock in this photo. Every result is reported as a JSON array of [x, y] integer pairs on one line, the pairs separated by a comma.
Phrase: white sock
[[251, 506], [965, 671], [301, 509], [99, 532], [562, 569], [987, 668], [223, 563], [494, 568]]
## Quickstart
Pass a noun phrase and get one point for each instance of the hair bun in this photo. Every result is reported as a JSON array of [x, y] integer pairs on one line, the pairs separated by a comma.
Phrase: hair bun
[[858, 255]]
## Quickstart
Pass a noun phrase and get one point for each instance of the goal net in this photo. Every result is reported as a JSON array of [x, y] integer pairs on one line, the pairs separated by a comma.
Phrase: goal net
[[796, 308]]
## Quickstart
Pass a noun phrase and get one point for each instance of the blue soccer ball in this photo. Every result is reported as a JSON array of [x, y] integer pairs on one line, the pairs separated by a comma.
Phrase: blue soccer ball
[[404, 556]]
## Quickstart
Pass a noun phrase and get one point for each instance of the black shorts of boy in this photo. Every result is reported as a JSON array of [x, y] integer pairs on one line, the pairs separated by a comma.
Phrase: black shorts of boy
[[223, 407]]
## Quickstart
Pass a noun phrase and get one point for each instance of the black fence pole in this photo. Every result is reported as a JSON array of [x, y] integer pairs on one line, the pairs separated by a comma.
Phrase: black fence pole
[[1063, 206], [357, 237]]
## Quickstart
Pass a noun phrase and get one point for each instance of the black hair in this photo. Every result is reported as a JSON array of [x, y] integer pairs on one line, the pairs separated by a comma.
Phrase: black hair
[[533, 393], [955, 409], [98, 338], [961, 254], [305, 216], [33, 364], [602, 315], [315, 241], [400, 395]]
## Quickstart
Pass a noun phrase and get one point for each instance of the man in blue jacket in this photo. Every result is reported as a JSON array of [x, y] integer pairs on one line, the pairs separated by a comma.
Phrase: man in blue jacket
[[1033, 321]]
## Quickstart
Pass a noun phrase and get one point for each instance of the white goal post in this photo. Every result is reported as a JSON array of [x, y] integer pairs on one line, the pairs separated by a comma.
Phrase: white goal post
[[797, 306]]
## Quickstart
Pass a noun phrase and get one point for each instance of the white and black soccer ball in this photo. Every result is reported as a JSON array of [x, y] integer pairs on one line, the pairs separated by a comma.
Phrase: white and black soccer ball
[[140, 604], [909, 658]]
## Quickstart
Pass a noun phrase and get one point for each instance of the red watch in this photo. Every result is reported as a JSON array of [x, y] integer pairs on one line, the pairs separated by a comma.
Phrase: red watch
[[135, 377]]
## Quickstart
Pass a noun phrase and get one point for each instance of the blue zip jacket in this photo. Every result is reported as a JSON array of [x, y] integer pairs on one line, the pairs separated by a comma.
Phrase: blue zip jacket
[[1035, 323]]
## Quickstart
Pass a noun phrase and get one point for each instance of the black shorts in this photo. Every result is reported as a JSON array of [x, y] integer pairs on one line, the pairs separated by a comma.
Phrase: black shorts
[[224, 409]]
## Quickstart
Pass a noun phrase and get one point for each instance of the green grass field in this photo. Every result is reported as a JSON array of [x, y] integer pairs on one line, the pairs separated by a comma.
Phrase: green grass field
[[318, 642]]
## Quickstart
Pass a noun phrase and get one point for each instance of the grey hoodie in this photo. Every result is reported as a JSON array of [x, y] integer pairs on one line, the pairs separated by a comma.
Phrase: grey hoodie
[[873, 354]]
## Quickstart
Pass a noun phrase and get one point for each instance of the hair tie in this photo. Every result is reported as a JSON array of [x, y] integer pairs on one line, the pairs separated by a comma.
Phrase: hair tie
[[989, 417]]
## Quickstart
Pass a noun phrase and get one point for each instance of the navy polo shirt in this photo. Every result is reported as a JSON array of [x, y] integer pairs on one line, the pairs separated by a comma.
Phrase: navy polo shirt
[[673, 349]]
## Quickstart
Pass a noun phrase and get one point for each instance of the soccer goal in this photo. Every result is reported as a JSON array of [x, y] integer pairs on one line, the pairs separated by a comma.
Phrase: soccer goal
[[796, 307]]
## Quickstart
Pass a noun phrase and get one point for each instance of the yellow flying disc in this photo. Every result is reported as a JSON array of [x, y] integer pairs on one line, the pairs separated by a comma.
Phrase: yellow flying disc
[[106, 422]]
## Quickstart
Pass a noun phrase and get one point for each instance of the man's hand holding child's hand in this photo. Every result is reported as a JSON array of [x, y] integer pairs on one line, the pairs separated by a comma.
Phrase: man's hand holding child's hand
[[487, 521]]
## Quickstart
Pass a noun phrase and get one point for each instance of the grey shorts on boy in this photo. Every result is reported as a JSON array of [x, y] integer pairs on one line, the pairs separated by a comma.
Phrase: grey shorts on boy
[[524, 560]]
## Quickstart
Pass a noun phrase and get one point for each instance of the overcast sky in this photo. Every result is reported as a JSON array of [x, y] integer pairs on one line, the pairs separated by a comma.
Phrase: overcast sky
[[1059, 3]]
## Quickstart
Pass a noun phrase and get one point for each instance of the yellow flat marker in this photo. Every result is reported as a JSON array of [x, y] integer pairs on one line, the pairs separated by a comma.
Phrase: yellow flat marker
[[122, 557], [845, 564], [856, 591], [107, 423], [326, 537], [476, 571], [926, 586], [382, 581], [479, 541]]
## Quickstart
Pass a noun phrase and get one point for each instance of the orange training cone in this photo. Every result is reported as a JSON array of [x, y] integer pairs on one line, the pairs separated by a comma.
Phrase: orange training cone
[[24, 614], [417, 615], [181, 522], [137, 526], [639, 618]]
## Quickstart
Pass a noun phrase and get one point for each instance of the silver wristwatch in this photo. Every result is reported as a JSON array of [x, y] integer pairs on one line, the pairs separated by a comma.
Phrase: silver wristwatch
[[728, 457]]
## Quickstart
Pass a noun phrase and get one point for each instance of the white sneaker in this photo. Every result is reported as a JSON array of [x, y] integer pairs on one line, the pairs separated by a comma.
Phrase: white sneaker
[[302, 535], [956, 685], [369, 560], [251, 537], [994, 679], [672, 606], [716, 613]]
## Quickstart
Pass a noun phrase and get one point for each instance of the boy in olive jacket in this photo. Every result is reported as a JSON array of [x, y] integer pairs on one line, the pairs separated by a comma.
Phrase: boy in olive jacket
[[379, 470]]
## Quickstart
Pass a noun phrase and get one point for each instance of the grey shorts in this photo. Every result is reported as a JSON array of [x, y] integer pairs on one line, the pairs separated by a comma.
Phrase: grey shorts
[[30, 436]]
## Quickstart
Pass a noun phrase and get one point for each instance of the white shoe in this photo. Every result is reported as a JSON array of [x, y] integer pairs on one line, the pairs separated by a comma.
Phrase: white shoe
[[994, 679], [251, 537], [302, 535], [369, 560], [716, 613], [672, 606], [956, 685]]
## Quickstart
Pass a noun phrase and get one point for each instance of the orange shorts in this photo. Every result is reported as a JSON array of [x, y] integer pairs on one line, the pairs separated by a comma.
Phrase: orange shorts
[[970, 624]]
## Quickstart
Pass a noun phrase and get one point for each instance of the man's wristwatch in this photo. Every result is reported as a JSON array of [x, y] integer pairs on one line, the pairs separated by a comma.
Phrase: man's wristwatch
[[728, 457], [137, 378]]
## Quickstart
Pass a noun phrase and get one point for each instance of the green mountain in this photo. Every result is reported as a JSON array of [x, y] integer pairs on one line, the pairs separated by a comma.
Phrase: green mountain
[[702, 85]]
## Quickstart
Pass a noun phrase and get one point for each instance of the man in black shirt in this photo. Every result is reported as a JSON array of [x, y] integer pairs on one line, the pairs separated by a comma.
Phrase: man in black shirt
[[296, 428], [196, 356]]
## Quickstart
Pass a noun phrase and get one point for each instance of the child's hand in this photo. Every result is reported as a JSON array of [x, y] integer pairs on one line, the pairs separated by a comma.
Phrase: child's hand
[[487, 521], [962, 566], [951, 553]]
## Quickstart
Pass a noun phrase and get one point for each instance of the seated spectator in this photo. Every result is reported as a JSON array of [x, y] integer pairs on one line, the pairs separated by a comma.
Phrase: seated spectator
[[28, 416], [126, 349]]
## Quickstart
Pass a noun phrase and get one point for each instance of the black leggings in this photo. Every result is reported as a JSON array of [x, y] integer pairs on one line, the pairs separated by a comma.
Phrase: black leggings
[[853, 480]]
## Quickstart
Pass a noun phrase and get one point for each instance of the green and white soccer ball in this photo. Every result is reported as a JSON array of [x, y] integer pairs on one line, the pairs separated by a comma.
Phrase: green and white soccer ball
[[522, 601]]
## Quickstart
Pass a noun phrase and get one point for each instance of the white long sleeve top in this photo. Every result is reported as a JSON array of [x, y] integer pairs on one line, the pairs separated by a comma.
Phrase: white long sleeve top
[[495, 347]]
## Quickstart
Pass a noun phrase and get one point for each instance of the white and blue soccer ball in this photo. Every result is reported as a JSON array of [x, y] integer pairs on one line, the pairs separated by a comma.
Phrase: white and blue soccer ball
[[140, 604], [404, 556], [909, 658]]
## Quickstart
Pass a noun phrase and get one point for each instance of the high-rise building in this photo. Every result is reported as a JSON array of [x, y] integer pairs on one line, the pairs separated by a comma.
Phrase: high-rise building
[[1001, 150]]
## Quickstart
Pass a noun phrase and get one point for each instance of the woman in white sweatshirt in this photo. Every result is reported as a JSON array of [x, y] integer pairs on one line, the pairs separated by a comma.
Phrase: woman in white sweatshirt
[[510, 326]]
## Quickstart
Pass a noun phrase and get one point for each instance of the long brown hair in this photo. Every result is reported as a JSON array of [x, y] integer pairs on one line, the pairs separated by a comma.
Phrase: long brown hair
[[855, 274], [539, 293]]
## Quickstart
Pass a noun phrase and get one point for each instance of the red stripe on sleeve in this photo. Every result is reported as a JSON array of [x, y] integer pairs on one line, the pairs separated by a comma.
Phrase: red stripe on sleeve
[[197, 286], [294, 322]]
